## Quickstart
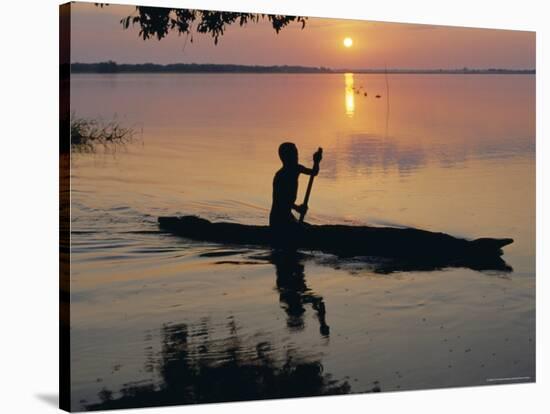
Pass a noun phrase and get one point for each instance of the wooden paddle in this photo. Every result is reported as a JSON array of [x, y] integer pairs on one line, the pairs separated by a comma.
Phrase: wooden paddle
[[316, 161]]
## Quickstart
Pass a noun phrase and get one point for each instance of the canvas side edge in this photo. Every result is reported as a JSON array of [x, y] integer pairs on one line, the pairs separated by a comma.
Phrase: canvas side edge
[[64, 206]]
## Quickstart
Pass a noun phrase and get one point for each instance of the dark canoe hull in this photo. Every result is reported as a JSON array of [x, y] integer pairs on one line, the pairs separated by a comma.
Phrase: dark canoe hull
[[347, 241]]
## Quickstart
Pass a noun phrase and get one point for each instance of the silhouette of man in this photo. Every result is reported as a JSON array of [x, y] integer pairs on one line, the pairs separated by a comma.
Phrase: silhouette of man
[[285, 228]]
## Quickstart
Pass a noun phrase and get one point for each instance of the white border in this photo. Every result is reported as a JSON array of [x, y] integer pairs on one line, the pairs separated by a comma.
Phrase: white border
[[30, 210]]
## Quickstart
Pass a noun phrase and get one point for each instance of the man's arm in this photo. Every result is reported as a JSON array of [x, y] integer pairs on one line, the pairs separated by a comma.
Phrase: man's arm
[[317, 157], [309, 171]]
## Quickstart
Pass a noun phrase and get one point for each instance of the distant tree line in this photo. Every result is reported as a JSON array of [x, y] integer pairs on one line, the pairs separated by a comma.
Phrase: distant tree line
[[113, 67], [458, 71]]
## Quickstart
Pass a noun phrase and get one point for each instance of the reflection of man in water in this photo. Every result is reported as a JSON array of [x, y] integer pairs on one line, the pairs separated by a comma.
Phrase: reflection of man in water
[[285, 187], [294, 293]]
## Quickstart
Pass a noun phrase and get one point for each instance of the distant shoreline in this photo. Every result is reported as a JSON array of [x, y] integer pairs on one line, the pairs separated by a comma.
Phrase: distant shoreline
[[113, 68]]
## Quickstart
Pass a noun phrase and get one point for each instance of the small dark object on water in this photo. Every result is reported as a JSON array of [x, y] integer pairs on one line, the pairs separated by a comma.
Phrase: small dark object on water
[[378, 96]]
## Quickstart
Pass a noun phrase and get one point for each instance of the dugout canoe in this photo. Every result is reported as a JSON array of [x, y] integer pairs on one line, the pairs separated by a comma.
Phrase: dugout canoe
[[346, 241]]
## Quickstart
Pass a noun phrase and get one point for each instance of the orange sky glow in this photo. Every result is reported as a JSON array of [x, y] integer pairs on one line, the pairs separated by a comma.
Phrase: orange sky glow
[[97, 35]]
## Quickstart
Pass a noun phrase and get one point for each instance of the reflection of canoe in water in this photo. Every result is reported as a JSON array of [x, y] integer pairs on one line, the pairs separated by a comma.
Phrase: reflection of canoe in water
[[411, 245]]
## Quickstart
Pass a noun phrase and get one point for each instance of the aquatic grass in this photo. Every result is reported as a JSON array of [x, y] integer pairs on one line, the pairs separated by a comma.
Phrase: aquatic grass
[[88, 134]]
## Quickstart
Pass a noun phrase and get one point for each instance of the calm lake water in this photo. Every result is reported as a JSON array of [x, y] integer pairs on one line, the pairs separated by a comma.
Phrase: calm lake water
[[157, 319]]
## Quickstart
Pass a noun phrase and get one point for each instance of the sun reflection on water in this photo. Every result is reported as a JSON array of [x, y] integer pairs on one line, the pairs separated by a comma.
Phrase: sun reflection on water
[[350, 98]]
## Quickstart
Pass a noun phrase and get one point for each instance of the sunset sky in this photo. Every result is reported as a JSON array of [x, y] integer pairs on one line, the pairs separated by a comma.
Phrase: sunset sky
[[97, 35]]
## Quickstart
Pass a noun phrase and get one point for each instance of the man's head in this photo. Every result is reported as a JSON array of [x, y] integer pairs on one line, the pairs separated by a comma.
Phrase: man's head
[[288, 153]]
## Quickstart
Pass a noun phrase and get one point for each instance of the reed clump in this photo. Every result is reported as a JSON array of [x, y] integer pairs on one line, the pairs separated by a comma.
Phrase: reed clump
[[88, 134]]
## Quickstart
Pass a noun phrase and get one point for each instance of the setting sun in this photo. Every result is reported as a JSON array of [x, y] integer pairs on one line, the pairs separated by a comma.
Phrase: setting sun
[[348, 42]]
